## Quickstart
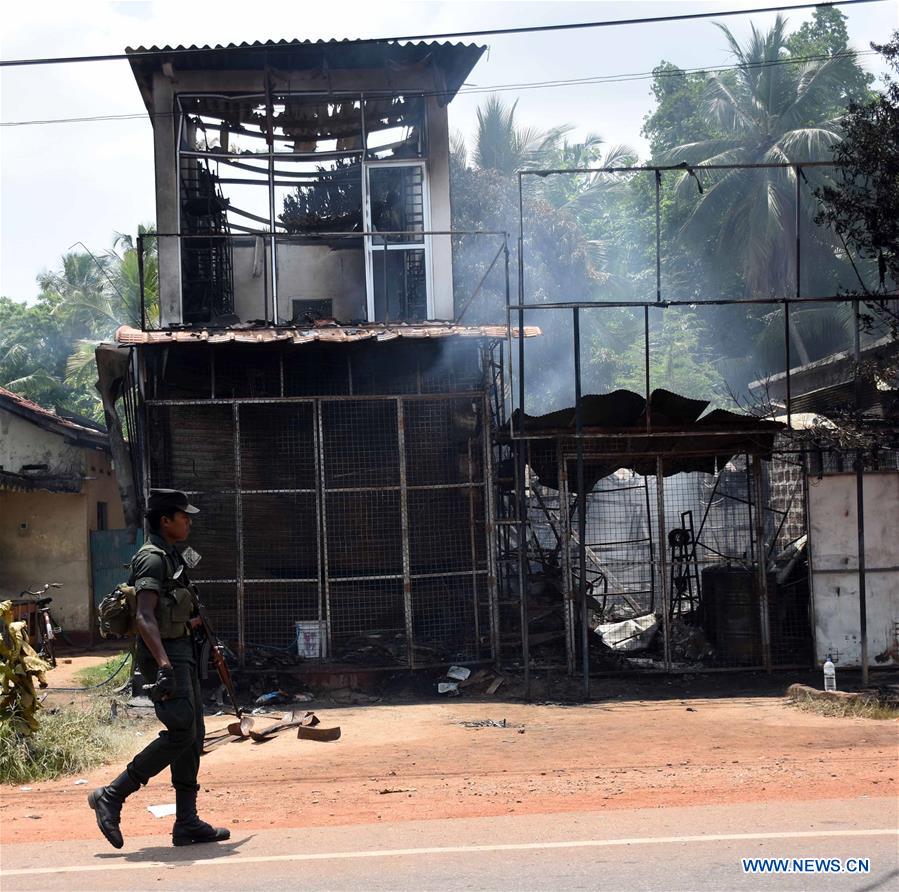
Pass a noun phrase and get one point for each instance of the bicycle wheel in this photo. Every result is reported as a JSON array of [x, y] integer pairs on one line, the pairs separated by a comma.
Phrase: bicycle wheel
[[48, 648]]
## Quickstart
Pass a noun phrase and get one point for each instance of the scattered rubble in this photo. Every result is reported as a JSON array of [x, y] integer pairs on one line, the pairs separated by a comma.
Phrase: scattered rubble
[[629, 635], [243, 729]]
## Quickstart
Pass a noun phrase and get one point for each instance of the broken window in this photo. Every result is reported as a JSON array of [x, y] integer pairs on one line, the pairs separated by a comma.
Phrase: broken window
[[395, 127], [293, 173], [317, 125]]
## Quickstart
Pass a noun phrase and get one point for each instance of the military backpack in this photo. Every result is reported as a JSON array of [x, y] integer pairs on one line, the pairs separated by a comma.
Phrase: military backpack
[[117, 613]]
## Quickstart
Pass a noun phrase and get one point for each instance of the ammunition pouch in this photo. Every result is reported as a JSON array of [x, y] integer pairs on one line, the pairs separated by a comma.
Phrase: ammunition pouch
[[173, 610]]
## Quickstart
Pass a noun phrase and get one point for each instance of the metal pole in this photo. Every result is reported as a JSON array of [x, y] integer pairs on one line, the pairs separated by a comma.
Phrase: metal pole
[[322, 486], [749, 507], [521, 465], [663, 559], [658, 178], [761, 562], [788, 361], [474, 552], [646, 365], [477, 290], [269, 128], [565, 548], [238, 510], [323, 613], [797, 172], [581, 504], [652, 576], [492, 543], [404, 521], [520, 308], [521, 455], [386, 296], [140, 277], [860, 501]]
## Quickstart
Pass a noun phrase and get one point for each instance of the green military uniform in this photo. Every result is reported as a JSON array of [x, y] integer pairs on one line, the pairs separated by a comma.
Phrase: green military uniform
[[155, 569]]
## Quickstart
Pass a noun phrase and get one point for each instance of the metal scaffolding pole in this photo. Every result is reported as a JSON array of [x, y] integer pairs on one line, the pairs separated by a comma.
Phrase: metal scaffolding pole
[[581, 505], [860, 502], [761, 560], [663, 560]]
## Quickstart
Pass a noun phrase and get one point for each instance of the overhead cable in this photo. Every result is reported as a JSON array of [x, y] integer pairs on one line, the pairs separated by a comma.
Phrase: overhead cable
[[529, 29], [525, 85]]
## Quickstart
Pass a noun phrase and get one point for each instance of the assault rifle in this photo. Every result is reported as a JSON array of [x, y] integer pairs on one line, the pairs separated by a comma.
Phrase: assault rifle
[[216, 646]]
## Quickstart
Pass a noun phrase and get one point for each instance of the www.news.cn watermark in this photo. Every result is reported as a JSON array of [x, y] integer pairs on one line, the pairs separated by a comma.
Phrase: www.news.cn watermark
[[806, 865]]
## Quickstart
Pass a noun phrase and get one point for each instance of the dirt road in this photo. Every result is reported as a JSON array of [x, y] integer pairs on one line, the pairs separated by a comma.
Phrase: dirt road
[[421, 761]]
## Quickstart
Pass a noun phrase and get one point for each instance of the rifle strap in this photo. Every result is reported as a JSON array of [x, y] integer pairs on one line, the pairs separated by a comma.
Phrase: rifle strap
[[205, 654]]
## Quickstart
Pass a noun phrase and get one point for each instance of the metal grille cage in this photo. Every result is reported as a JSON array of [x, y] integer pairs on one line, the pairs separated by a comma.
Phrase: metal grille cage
[[346, 486]]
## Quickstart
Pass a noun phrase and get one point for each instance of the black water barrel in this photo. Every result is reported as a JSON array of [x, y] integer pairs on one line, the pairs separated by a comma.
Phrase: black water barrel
[[731, 614]]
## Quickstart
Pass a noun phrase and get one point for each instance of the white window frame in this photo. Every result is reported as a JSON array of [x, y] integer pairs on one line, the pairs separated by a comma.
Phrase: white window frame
[[371, 247]]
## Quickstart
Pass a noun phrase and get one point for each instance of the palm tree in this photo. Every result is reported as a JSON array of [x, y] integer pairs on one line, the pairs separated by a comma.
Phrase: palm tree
[[581, 192], [117, 303], [502, 146], [769, 112]]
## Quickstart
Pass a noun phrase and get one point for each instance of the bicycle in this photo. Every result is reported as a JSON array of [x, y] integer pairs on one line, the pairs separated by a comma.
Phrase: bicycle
[[47, 629]]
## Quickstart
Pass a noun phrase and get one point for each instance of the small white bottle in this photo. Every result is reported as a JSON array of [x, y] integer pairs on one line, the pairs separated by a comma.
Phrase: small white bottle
[[830, 675]]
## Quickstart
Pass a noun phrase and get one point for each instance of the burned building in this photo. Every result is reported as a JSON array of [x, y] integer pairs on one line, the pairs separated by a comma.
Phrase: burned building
[[369, 496], [301, 376]]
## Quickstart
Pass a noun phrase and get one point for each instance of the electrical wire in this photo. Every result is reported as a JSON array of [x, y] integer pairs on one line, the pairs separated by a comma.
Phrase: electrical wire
[[524, 85], [107, 680], [529, 29]]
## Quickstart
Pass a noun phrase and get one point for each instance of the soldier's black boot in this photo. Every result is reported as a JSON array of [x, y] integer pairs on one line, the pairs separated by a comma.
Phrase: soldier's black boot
[[188, 828], [107, 805]]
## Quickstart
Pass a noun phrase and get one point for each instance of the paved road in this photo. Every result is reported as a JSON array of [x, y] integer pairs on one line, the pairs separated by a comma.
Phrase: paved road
[[698, 848]]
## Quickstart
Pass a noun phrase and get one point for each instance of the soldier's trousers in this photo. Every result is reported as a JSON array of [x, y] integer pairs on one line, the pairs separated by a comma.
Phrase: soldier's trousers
[[181, 743]]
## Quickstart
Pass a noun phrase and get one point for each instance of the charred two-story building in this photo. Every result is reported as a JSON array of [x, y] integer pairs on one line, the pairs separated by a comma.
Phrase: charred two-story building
[[301, 376]]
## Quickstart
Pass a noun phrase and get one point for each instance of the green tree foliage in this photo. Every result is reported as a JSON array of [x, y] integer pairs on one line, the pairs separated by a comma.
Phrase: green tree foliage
[[826, 36], [746, 217], [678, 117], [862, 204], [47, 347]]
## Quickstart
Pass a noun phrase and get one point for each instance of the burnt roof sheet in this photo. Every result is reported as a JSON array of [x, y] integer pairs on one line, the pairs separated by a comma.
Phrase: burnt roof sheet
[[615, 435], [324, 334]]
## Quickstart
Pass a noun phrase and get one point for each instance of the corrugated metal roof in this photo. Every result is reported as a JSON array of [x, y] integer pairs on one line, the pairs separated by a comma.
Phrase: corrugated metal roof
[[451, 62], [49, 420], [327, 334], [269, 44]]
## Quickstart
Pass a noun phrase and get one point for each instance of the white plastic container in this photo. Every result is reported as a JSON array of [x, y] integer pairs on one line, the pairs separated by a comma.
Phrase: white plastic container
[[312, 639], [830, 676]]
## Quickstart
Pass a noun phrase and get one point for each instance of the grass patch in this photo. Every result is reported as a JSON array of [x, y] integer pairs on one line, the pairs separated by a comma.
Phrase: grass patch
[[94, 675], [69, 740], [856, 708]]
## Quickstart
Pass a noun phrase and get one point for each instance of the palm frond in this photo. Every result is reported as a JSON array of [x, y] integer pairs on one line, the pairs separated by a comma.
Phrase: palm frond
[[808, 143], [82, 358], [814, 79]]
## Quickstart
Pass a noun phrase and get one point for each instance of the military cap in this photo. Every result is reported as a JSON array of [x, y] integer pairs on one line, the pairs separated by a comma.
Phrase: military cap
[[162, 499]]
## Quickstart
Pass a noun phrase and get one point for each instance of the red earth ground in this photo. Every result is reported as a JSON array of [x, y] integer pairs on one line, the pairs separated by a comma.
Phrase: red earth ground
[[414, 761]]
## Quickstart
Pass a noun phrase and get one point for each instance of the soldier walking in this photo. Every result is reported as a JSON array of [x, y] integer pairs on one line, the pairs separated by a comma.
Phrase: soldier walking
[[166, 650]]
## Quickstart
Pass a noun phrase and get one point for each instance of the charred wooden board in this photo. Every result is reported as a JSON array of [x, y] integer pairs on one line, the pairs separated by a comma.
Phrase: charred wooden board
[[289, 721], [321, 734]]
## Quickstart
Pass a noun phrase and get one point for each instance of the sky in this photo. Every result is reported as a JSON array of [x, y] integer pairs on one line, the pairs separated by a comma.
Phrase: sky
[[65, 183]]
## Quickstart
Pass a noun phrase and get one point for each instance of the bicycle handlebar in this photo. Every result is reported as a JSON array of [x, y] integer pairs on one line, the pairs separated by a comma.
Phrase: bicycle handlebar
[[42, 591]]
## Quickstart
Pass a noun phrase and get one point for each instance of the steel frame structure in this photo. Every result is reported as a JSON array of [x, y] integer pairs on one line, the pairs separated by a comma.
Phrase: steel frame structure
[[520, 436]]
